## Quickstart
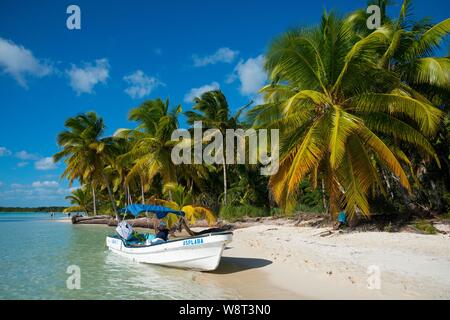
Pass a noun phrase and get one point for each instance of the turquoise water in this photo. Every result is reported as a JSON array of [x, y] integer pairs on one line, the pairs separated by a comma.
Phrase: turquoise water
[[36, 252]]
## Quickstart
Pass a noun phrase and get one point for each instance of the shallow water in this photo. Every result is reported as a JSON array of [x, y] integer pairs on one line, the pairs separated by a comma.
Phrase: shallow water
[[36, 252]]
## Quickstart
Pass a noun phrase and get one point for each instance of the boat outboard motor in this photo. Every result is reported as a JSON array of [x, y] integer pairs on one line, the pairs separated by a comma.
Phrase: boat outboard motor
[[124, 230]]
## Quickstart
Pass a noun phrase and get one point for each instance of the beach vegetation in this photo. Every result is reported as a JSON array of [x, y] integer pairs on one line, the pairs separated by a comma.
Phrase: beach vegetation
[[425, 226], [234, 213], [182, 200]]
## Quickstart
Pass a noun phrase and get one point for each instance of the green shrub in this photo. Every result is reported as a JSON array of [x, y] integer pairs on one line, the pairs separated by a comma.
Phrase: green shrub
[[276, 212], [445, 215], [301, 207], [425, 226], [233, 213], [389, 227]]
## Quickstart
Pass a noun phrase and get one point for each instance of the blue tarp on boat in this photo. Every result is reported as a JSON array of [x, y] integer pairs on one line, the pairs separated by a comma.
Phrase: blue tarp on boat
[[160, 211]]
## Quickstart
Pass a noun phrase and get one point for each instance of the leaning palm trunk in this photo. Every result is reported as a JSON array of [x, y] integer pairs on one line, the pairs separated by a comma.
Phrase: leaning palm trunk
[[185, 225]]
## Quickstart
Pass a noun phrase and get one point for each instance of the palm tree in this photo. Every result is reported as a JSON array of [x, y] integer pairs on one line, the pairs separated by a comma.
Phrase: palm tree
[[150, 153], [340, 114], [411, 49], [411, 55], [79, 199], [85, 153], [212, 109]]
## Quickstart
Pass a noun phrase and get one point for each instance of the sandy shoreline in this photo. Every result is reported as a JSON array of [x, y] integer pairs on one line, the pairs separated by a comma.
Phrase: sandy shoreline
[[286, 262], [283, 261]]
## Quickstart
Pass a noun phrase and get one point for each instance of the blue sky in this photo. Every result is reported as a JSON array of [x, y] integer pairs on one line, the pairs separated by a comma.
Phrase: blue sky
[[126, 52]]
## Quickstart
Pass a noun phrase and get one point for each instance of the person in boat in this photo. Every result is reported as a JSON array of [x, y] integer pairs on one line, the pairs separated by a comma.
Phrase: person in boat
[[163, 232], [162, 235]]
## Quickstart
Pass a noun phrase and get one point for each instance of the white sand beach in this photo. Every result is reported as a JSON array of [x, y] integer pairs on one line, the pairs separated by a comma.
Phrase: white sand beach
[[288, 262]]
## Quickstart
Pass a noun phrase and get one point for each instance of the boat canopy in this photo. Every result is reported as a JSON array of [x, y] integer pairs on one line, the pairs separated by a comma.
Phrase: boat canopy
[[160, 211]]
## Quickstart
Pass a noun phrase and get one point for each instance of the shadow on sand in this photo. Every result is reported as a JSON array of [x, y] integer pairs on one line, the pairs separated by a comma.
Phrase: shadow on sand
[[232, 264]]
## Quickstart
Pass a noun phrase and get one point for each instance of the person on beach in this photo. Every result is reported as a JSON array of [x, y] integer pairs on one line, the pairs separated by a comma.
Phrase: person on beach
[[341, 220]]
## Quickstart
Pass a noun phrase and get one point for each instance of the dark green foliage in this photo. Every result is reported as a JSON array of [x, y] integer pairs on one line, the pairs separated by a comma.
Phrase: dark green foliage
[[425, 226], [232, 213]]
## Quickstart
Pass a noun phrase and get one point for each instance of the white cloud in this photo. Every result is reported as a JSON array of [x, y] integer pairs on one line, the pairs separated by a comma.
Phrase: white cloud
[[45, 184], [232, 77], [251, 74], [20, 62], [4, 152], [225, 55], [50, 176], [84, 79], [24, 155], [42, 194], [22, 164], [45, 164], [17, 186], [197, 92], [1, 184], [141, 85]]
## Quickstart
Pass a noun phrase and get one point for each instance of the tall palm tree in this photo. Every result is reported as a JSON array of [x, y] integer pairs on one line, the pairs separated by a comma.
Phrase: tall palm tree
[[151, 151], [340, 114], [212, 109], [86, 153], [411, 49], [412, 54]]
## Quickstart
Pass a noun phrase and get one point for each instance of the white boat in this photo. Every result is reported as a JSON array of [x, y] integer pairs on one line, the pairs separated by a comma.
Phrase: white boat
[[201, 252]]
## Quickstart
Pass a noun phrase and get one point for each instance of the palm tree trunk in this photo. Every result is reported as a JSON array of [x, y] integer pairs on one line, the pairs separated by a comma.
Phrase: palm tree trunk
[[127, 198], [224, 183], [129, 195], [111, 197], [142, 191], [388, 184], [324, 199], [186, 227], [94, 201]]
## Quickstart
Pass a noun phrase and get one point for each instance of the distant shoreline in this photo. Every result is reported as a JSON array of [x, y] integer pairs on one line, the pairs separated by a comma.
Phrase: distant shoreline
[[30, 209]]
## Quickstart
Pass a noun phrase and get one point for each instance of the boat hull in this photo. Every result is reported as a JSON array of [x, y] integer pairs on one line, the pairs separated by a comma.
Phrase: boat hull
[[198, 253]]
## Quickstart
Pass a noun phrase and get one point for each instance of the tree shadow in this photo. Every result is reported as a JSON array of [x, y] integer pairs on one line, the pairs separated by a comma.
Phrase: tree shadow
[[234, 264]]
